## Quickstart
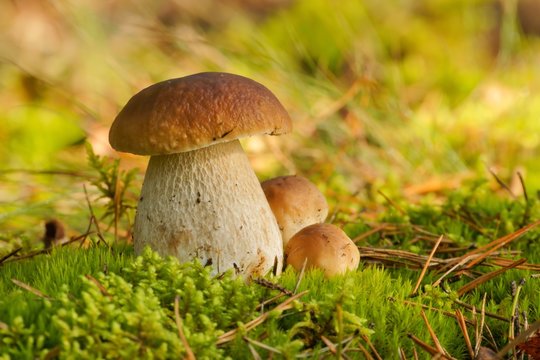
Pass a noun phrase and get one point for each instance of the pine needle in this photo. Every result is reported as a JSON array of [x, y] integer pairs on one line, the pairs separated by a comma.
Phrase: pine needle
[[99, 285], [430, 349], [424, 269], [230, 335], [432, 333], [486, 277], [329, 344], [31, 289], [180, 326], [496, 244], [373, 350], [463, 327]]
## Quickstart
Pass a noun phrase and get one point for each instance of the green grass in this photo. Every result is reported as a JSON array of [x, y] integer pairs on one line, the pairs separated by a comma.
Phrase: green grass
[[131, 311]]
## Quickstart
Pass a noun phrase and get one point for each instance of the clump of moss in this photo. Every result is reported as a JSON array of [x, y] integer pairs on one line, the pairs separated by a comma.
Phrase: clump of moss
[[131, 315]]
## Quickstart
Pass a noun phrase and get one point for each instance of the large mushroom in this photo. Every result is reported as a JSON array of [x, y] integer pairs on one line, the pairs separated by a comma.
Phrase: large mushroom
[[200, 198]]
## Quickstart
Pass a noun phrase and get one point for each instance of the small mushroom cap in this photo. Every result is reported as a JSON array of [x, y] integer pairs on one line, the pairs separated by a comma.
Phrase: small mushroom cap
[[325, 246], [196, 111], [296, 203]]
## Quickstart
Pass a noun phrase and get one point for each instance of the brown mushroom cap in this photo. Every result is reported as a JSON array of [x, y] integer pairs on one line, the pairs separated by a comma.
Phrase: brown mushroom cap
[[325, 246], [196, 111], [296, 203]]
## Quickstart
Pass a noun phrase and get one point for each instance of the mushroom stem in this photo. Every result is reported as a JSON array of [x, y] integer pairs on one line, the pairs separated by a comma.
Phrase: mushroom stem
[[208, 204]]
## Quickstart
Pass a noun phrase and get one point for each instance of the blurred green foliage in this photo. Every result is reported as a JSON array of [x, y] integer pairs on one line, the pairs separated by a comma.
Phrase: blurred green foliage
[[36, 135]]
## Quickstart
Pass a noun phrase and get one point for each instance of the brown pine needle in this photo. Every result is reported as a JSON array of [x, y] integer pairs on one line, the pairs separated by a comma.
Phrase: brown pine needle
[[424, 269], [301, 276], [486, 277], [93, 218], [430, 349], [427, 307], [496, 244], [366, 353], [392, 203], [31, 289], [180, 326], [454, 267], [373, 350], [254, 352], [116, 201], [463, 327], [369, 233], [415, 353], [268, 301], [261, 345], [488, 314], [502, 183], [272, 286], [99, 285], [330, 344], [480, 327], [432, 333], [502, 262], [402, 355], [230, 335]]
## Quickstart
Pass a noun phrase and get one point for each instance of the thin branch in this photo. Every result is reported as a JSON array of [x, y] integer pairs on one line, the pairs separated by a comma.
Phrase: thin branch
[[14, 252]]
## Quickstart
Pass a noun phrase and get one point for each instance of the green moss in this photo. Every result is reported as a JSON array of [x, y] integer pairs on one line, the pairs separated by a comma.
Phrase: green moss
[[106, 303]]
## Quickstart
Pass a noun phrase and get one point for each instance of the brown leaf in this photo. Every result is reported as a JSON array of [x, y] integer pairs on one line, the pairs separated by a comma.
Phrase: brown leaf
[[531, 347]]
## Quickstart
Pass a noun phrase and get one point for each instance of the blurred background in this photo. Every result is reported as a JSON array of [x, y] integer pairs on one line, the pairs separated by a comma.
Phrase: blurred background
[[411, 98]]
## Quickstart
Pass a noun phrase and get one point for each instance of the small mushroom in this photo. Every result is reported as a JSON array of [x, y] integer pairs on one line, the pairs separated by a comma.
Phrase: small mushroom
[[322, 246], [201, 198], [296, 203]]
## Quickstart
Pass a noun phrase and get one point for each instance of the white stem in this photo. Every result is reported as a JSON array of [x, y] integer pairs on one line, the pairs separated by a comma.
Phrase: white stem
[[207, 204]]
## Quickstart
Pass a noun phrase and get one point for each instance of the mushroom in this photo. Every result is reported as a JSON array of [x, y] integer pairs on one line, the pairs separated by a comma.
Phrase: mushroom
[[296, 203], [200, 197], [322, 246]]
